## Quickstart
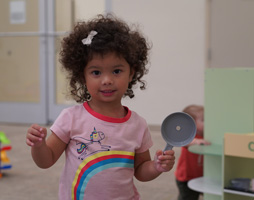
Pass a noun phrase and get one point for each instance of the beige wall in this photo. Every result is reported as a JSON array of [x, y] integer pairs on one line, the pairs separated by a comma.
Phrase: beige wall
[[177, 31]]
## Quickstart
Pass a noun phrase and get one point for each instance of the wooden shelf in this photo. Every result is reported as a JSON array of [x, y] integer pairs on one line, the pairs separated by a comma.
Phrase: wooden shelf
[[205, 185], [213, 149]]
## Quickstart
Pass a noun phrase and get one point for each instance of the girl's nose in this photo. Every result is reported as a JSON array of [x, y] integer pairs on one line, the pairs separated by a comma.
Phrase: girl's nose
[[107, 80]]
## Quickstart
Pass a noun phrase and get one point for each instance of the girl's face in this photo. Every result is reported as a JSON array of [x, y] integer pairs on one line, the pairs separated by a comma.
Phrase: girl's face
[[107, 78]]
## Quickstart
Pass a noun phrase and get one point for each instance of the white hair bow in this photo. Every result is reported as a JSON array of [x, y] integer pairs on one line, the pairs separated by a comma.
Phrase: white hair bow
[[88, 40]]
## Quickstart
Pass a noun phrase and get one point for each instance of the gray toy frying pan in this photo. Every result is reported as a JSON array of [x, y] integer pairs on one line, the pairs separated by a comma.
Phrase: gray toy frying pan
[[178, 129]]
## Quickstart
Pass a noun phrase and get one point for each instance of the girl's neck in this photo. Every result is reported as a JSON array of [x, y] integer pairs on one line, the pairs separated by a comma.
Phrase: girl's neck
[[108, 109]]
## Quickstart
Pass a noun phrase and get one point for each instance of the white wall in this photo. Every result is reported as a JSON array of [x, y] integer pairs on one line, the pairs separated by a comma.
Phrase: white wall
[[176, 77]]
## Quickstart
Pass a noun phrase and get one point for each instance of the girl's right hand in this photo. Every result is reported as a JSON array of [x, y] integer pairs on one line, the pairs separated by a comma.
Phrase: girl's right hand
[[35, 135]]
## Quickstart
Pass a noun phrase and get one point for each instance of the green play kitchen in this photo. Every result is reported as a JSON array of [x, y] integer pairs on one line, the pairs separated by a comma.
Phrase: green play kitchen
[[229, 126]]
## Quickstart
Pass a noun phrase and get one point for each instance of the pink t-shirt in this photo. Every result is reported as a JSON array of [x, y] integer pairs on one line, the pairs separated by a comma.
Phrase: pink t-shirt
[[100, 153]]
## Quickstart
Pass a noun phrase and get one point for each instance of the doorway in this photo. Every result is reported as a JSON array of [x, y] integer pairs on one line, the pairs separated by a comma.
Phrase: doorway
[[32, 85]]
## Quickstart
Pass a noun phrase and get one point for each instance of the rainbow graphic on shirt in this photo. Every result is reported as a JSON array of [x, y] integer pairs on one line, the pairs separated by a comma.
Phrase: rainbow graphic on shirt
[[97, 163]]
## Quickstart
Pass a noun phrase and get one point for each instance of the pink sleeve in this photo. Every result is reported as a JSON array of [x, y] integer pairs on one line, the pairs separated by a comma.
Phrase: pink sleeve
[[61, 126], [147, 142]]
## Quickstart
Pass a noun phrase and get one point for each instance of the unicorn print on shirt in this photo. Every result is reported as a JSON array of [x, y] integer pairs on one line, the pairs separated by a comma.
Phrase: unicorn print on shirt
[[94, 141]]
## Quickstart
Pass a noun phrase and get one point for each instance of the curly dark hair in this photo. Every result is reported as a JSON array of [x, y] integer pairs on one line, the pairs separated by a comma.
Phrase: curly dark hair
[[114, 35]]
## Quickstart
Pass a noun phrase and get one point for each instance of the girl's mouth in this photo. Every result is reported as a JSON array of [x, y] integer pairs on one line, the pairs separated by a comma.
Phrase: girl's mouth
[[108, 92]]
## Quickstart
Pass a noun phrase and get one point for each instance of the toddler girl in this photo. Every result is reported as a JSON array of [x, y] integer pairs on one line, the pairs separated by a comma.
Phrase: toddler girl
[[105, 143]]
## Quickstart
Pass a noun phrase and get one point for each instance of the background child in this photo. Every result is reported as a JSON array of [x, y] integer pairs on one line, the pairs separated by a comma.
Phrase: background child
[[190, 165], [105, 143]]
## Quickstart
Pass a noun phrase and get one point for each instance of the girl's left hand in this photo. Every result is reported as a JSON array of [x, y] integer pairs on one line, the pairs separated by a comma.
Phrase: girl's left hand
[[164, 162]]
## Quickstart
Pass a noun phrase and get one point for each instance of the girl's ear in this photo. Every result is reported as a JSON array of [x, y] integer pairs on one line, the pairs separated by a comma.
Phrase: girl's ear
[[82, 77], [132, 72]]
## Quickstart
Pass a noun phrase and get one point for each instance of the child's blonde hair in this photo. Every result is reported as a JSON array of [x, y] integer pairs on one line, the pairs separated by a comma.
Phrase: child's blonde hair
[[194, 110]]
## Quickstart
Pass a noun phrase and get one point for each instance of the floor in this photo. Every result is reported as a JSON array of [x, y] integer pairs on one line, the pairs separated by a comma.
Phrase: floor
[[25, 181]]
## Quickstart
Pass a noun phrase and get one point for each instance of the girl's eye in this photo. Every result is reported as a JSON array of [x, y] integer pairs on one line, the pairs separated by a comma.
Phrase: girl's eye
[[117, 71], [96, 73]]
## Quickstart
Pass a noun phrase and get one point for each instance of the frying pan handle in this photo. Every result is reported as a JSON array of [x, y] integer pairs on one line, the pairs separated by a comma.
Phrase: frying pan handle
[[168, 147]]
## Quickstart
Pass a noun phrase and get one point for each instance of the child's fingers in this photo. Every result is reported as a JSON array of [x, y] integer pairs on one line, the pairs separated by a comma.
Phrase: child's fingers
[[29, 142], [43, 131], [37, 130], [167, 155], [165, 160], [34, 129], [169, 152], [165, 165], [35, 134], [34, 137], [159, 152], [169, 160]]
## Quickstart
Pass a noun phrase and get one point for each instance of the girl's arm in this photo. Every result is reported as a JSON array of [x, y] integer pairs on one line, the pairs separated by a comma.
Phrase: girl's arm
[[147, 169], [44, 152]]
